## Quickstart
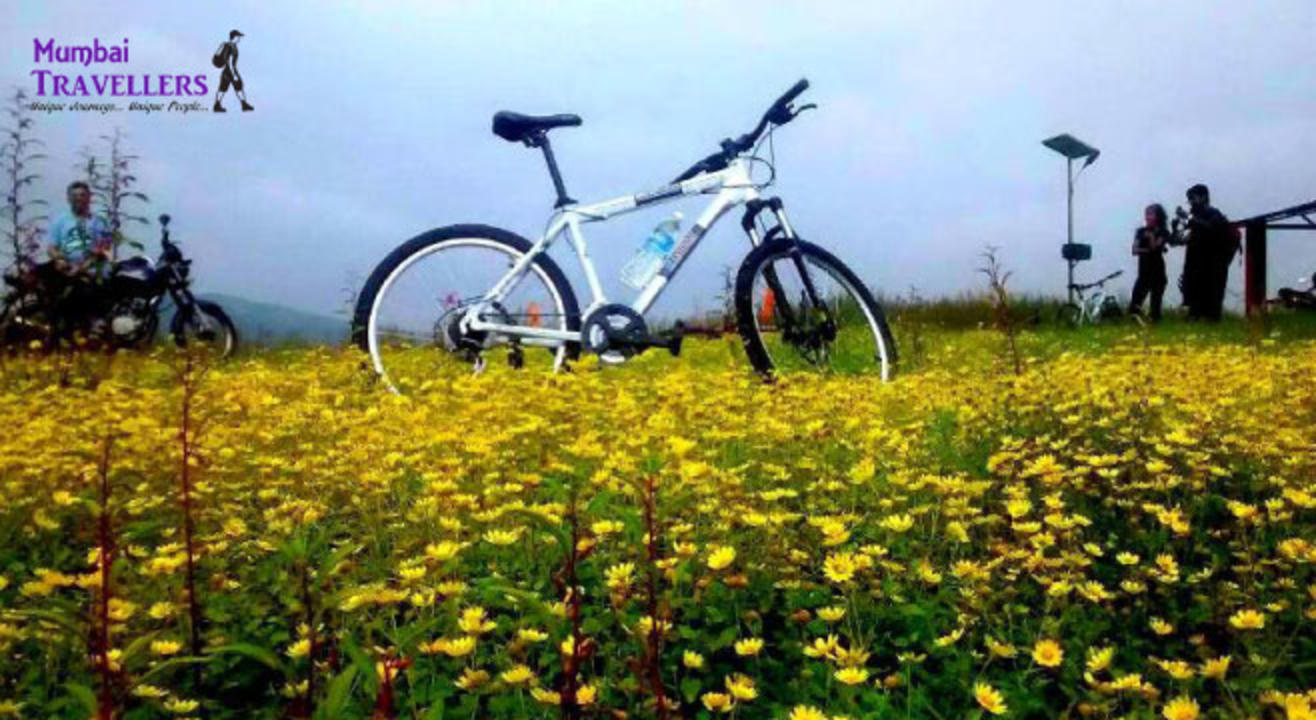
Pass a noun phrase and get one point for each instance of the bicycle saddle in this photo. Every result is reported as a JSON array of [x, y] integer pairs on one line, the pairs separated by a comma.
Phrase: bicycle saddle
[[515, 127]]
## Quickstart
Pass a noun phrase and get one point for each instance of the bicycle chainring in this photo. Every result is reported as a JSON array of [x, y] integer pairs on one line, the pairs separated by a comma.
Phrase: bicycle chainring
[[614, 329]]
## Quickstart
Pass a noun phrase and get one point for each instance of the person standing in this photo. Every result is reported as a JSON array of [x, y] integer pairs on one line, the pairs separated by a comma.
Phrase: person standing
[[1149, 242], [79, 244], [1211, 244], [227, 58]]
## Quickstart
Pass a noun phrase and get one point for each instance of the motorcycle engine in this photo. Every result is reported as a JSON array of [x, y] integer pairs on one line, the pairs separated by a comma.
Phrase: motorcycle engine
[[131, 320], [125, 325]]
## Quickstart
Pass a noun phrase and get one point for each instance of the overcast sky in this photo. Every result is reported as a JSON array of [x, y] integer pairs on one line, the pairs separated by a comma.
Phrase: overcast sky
[[372, 125]]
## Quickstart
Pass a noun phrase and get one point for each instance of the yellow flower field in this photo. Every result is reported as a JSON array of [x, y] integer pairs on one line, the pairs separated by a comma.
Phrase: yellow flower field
[[1122, 532]]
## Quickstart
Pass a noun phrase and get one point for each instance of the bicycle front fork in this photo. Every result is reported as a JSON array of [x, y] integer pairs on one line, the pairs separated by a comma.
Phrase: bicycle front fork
[[783, 229]]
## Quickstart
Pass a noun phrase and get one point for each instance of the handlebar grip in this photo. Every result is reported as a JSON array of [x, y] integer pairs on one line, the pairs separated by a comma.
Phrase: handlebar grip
[[794, 92]]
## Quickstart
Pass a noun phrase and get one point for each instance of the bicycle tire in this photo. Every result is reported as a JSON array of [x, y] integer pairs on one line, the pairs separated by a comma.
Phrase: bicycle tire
[[747, 322], [1069, 315], [375, 283]]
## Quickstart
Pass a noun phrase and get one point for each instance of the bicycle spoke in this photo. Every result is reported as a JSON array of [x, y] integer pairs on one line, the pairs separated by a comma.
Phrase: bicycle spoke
[[420, 329]]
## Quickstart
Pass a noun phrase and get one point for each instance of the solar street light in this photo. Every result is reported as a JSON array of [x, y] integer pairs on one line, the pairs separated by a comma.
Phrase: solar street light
[[1073, 149]]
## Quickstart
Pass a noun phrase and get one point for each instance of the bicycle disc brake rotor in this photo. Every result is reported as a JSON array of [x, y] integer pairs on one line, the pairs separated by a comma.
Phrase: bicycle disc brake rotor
[[814, 332], [613, 328]]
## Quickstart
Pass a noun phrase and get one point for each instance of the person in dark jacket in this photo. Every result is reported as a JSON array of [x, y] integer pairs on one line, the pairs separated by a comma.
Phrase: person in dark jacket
[[1149, 242], [1211, 244]]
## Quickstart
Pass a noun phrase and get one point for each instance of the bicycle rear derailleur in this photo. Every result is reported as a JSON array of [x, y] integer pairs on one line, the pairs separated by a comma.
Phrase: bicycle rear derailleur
[[615, 332]]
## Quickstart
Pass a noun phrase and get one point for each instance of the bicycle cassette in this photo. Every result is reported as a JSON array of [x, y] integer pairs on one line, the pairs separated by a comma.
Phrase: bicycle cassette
[[614, 329]]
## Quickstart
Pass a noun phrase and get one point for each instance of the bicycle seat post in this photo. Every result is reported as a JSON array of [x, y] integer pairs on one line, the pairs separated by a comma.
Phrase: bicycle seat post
[[539, 139]]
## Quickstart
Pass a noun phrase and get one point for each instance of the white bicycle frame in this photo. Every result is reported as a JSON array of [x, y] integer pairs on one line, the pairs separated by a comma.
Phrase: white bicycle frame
[[1090, 305], [732, 186]]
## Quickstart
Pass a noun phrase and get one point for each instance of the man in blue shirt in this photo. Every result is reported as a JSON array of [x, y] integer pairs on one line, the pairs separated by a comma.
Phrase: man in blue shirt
[[79, 247], [79, 239]]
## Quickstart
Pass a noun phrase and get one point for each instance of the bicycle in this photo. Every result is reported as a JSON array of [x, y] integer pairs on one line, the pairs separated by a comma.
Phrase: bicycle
[[1090, 309], [484, 290]]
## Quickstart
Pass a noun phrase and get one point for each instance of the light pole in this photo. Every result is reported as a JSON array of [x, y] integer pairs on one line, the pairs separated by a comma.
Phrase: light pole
[[1072, 148]]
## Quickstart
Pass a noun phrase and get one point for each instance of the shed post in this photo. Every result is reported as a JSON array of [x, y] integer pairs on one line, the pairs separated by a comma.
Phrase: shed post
[[1254, 268]]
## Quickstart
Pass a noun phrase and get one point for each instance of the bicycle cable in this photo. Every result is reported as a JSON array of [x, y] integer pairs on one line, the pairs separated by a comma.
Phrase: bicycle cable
[[770, 162]]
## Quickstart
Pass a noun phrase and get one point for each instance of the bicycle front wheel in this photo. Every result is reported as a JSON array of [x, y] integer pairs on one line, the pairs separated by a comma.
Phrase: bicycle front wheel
[[409, 314], [798, 308]]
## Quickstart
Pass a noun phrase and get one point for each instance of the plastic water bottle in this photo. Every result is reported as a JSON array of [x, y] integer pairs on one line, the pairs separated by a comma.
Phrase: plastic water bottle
[[640, 269]]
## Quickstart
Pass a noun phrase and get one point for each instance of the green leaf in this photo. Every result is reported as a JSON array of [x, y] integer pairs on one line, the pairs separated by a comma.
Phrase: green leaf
[[599, 501], [253, 652], [690, 689], [167, 665], [340, 691], [84, 695], [435, 712]]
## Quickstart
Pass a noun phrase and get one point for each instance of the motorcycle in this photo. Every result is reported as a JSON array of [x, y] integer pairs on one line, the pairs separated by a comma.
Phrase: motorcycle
[[128, 304], [1297, 298]]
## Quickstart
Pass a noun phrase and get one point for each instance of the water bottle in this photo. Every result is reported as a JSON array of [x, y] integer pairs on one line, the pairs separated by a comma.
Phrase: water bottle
[[649, 260]]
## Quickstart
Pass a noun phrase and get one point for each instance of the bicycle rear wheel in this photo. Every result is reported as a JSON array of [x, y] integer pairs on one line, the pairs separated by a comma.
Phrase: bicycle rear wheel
[[408, 316], [798, 308], [1069, 315]]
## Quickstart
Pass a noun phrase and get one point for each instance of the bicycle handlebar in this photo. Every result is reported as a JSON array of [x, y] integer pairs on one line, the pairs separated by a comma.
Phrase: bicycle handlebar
[[1095, 283], [779, 113]]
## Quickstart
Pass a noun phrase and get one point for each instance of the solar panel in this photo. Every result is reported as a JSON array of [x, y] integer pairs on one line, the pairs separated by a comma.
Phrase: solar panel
[[1070, 146]]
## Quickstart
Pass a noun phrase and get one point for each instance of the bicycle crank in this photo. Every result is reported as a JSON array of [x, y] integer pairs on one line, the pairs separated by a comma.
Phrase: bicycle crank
[[615, 332]]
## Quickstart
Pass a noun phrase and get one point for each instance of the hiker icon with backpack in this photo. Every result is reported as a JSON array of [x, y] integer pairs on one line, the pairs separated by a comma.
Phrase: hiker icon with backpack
[[227, 57]]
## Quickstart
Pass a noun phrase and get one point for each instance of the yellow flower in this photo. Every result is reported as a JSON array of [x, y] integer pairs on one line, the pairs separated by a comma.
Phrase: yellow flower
[[1216, 668], [502, 537], [1047, 653], [717, 702], [831, 613], [299, 649], [839, 567], [1000, 649], [547, 697], [852, 675], [619, 577], [442, 551], [461, 647], [166, 647], [692, 660], [179, 706], [1248, 620], [741, 687], [823, 647], [531, 635], [518, 675], [898, 523], [749, 646], [475, 621], [721, 558], [1180, 708], [1177, 669], [989, 698], [586, 694], [806, 712], [471, 679], [1099, 658], [1160, 627]]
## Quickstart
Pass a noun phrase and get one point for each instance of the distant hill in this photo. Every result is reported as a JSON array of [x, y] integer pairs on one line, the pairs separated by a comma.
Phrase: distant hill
[[262, 323]]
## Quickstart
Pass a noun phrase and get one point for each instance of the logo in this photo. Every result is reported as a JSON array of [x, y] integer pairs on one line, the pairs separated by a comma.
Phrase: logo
[[96, 77], [226, 57]]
